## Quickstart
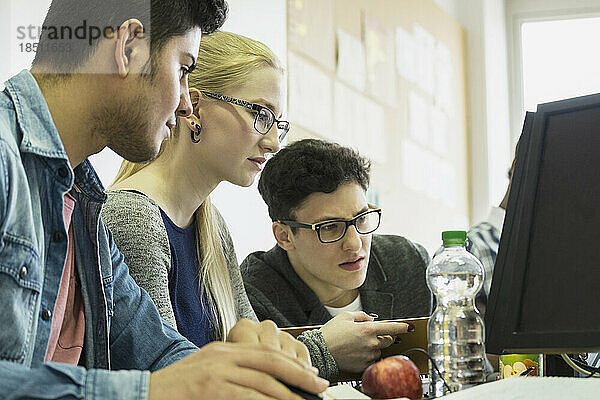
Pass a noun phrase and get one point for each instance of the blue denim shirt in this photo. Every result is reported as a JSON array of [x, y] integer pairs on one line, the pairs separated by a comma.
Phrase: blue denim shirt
[[125, 337]]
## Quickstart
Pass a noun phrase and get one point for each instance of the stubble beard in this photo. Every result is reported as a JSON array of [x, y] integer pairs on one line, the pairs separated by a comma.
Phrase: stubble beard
[[125, 126]]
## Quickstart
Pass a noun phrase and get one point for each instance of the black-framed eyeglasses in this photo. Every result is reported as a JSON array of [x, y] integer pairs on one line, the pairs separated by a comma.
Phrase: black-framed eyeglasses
[[334, 230], [264, 118]]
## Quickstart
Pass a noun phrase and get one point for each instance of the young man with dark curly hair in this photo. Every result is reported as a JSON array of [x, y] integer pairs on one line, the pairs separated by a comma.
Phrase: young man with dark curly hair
[[108, 73], [328, 267]]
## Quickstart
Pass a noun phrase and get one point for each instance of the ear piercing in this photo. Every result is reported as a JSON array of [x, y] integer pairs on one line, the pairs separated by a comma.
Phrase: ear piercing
[[195, 134]]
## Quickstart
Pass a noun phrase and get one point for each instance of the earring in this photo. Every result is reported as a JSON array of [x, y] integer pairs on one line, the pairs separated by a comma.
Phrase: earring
[[196, 134]]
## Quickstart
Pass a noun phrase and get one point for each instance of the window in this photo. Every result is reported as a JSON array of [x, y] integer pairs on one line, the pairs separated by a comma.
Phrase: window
[[560, 59]]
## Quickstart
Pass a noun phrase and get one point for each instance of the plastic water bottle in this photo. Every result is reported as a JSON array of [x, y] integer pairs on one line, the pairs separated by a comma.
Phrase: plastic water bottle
[[455, 330]]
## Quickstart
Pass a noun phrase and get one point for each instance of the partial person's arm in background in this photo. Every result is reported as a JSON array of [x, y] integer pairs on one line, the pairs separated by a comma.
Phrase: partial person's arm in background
[[140, 234], [483, 242]]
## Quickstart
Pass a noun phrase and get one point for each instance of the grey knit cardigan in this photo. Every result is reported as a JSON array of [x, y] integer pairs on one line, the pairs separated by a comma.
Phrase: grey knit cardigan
[[140, 234]]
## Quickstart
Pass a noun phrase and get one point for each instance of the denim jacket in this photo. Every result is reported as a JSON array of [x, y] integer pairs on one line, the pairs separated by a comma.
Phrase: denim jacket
[[125, 337]]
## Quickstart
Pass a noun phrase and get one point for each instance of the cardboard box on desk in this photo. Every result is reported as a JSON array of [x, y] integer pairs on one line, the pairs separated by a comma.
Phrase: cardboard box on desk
[[410, 340]]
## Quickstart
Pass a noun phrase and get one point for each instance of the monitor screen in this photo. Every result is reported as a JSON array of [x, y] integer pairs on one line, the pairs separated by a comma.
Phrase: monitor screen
[[546, 279]]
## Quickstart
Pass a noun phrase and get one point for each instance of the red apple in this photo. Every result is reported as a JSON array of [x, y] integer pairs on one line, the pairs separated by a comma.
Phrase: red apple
[[392, 377]]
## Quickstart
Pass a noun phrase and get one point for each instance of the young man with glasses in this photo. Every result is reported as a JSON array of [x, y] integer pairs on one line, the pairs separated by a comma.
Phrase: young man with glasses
[[328, 267]]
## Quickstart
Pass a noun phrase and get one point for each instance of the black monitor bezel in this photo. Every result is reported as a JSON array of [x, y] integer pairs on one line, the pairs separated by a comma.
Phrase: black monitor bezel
[[502, 334]]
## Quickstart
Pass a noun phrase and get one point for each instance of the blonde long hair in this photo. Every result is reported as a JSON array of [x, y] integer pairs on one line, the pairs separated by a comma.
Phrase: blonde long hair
[[225, 61]]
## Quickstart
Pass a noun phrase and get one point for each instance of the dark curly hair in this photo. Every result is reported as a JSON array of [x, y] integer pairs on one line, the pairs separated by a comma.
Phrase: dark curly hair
[[305, 167], [162, 19]]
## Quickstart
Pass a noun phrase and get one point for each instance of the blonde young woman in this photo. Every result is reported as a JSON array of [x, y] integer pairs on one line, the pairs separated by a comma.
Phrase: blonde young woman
[[175, 242]]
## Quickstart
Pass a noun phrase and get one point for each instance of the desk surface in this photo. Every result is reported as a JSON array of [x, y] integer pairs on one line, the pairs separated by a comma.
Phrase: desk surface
[[533, 388], [516, 388]]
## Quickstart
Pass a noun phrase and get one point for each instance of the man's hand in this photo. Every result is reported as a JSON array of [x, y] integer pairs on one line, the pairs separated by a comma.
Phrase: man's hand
[[232, 371], [355, 341], [267, 334]]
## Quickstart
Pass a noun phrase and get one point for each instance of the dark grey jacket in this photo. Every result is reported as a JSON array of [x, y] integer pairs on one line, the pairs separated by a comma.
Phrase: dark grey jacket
[[395, 285]]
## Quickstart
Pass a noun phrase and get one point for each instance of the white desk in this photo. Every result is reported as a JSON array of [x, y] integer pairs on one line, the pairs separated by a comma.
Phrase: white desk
[[533, 388], [516, 388]]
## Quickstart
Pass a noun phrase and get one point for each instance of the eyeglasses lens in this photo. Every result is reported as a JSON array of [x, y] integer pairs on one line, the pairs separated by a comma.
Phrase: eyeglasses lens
[[332, 232], [367, 222], [264, 121]]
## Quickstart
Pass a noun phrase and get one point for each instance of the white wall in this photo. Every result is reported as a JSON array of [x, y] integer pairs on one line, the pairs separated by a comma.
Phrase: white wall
[[499, 150], [15, 13], [5, 43], [488, 104]]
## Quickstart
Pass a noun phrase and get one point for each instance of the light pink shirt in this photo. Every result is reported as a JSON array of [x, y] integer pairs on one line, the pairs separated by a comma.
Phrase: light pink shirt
[[68, 323]]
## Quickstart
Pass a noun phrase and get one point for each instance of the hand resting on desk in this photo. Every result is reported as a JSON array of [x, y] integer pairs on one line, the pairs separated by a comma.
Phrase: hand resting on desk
[[267, 334], [247, 369]]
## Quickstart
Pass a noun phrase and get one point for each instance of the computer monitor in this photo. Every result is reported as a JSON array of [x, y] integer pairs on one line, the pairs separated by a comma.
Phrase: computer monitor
[[546, 282]]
